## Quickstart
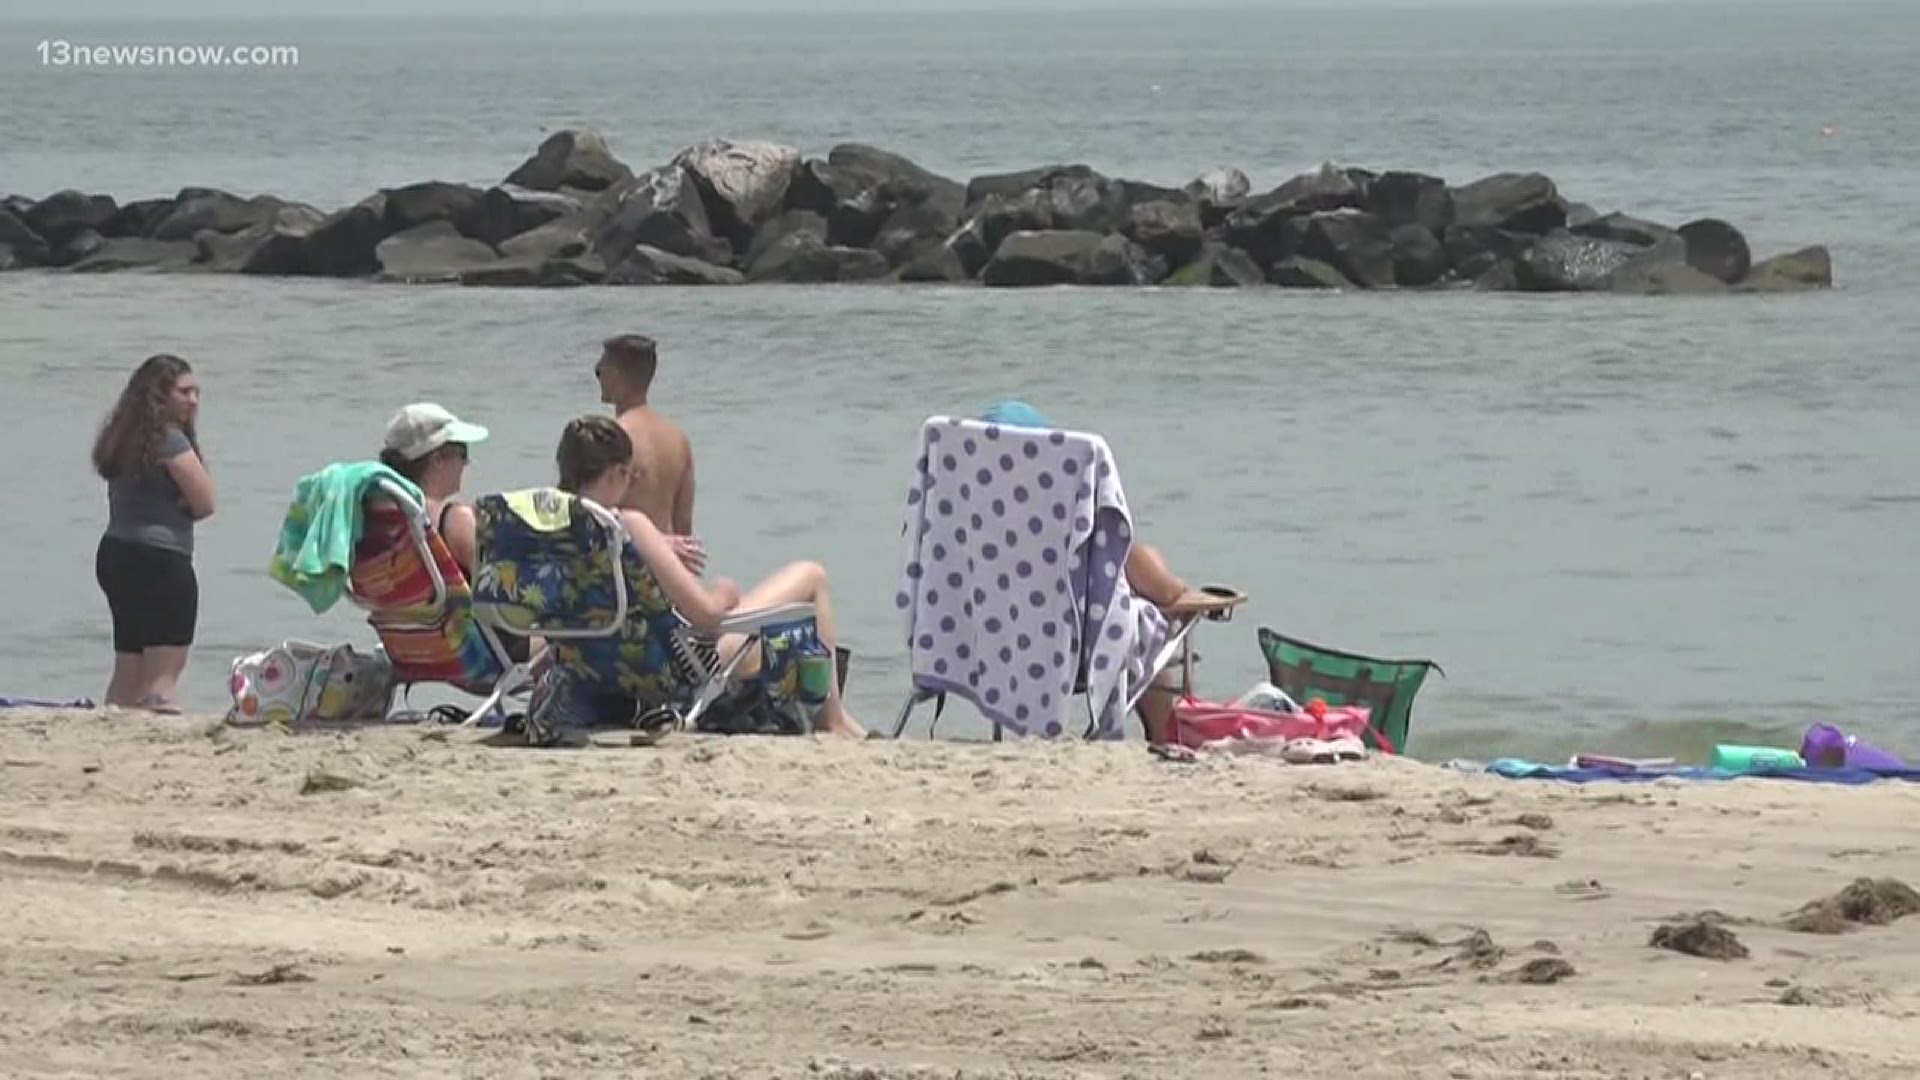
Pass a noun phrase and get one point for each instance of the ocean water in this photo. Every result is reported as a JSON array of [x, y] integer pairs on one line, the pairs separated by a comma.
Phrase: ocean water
[[1635, 525]]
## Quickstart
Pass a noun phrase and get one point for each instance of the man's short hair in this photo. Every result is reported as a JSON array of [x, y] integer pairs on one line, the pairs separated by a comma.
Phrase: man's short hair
[[635, 355]]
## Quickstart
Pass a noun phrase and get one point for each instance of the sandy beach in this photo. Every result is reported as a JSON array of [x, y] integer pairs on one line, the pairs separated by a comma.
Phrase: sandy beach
[[186, 899]]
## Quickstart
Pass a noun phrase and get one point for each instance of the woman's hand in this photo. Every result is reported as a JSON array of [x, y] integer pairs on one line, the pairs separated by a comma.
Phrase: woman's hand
[[692, 553]]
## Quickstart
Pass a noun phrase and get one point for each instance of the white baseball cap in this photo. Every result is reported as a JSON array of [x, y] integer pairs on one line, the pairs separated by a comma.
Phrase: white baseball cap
[[421, 428]]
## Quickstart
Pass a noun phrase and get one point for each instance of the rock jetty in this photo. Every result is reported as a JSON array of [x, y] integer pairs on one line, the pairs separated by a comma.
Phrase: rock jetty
[[728, 213]]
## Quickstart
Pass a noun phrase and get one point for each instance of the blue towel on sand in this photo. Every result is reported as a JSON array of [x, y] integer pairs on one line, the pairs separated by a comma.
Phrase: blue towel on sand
[[1518, 769], [45, 703], [322, 527]]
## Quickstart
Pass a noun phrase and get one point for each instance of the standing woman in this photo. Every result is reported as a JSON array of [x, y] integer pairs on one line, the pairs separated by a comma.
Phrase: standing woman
[[157, 487]]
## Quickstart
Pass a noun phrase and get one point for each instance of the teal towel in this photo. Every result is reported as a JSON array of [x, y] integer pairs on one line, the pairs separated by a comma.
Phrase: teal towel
[[322, 527]]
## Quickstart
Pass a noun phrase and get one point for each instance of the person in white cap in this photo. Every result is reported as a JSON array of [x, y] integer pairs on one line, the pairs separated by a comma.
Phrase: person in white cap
[[428, 445]]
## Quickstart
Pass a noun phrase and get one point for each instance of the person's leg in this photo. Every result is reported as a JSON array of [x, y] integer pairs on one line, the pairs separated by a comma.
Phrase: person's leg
[[110, 571], [794, 582], [175, 610]]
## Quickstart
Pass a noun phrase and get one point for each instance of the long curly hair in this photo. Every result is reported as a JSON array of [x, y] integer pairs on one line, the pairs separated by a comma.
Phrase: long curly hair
[[131, 435], [588, 448]]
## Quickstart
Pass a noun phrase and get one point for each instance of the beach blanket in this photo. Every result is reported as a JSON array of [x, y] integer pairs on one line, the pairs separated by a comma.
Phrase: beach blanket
[[1013, 586], [322, 526], [9, 702], [1517, 769]]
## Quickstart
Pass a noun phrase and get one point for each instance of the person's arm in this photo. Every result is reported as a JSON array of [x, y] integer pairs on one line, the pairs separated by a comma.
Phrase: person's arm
[[703, 607], [1151, 577], [683, 498], [189, 474], [460, 528]]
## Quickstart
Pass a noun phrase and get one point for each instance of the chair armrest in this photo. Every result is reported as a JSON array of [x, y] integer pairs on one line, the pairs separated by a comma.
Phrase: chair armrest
[[746, 622]]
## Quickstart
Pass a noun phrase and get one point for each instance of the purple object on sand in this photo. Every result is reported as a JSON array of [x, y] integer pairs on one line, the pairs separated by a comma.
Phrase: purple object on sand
[[1827, 747]]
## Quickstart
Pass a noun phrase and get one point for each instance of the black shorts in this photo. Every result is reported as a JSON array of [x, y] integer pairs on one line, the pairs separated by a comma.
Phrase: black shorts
[[152, 592]]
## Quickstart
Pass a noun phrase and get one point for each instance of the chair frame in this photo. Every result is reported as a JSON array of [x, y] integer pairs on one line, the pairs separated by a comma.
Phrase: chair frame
[[417, 525], [752, 623]]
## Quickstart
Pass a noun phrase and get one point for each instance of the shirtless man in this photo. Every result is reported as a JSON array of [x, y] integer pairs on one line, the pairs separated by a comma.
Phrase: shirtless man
[[662, 486]]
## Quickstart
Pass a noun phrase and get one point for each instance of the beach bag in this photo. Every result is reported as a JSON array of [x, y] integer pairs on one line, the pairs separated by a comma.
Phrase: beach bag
[[302, 684], [1196, 723]]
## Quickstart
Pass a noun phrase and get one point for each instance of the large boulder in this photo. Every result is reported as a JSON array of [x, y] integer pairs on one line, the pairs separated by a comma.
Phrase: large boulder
[[906, 183], [1009, 185], [1070, 257], [138, 218], [743, 184], [913, 231], [996, 218], [802, 258], [651, 266], [76, 248], [1409, 198], [137, 253], [64, 214], [430, 200], [17, 205], [343, 244], [1418, 256], [503, 212], [27, 246], [661, 208], [433, 252], [1473, 250], [1171, 230], [1717, 248], [1219, 187], [1356, 243], [940, 264], [1267, 227], [272, 247], [1300, 272], [575, 158], [787, 224], [1663, 278], [1218, 266], [1516, 202], [1077, 197], [1808, 268], [863, 191], [200, 210], [1625, 228], [1327, 188], [1562, 261]]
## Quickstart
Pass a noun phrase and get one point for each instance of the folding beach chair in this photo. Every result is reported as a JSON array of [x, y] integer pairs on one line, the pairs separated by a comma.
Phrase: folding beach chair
[[1385, 687], [562, 567], [1014, 589], [420, 604]]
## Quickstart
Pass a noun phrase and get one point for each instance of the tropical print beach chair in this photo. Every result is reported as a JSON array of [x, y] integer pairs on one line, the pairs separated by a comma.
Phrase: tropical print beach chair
[[1013, 589], [1386, 688], [563, 567], [419, 602]]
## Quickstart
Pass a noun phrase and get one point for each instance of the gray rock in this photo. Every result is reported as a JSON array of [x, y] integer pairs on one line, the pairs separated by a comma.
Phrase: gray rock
[[1418, 256], [1481, 245], [1070, 257], [1717, 248], [936, 265], [1267, 227], [65, 214], [1300, 272], [431, 200], [77, 247], [661, 208], [1171, 230], [1515, 202], [562, 238], [652, 266], [28, 247], [504, 212], [1327, 188], [1218, 266], [742, 183], [1625, 228], [527, 271], [996, 218], [433, 252], [274, 247], [905, 182], [137, 253], [1408, 198], [1665, 278], [215, 211], [1796, 271], [1219, 187], [576, 158], [912, 232], [801, 258], [1564, 262], [1354, 242], [138, 218], [787, 224], [343, 244]]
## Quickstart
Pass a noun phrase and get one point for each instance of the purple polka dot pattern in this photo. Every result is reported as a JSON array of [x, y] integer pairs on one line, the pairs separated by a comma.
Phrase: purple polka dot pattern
[[1018, 512]]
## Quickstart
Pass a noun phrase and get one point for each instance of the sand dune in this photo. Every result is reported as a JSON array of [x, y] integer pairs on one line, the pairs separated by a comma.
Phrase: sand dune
[[189, 900]]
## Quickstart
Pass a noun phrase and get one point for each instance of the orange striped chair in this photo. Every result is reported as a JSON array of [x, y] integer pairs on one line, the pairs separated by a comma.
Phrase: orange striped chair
[[419, 602]]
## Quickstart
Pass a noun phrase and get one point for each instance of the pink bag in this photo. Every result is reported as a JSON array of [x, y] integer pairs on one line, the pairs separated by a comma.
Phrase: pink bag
[[1196, 723]]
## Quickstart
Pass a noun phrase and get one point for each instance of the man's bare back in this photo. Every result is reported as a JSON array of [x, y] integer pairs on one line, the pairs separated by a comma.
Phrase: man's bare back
[[662, 485]]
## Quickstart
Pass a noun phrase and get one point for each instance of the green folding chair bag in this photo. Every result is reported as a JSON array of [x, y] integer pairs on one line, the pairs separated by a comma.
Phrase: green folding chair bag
[[1385, 687]]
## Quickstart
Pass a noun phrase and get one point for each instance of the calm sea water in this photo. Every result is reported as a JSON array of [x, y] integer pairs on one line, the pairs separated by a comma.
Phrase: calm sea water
[[1628, 524]]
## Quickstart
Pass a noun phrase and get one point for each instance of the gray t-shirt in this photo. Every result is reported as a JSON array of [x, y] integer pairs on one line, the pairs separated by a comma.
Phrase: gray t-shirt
[[145, 506]]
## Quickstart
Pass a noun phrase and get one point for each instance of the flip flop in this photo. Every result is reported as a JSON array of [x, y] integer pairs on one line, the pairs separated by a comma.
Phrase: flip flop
[[158, 706], [1173, 752]]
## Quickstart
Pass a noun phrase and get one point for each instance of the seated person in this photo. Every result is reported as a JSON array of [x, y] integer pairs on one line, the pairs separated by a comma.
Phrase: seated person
[[428, 445], [596, 461], [1149, 575]]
